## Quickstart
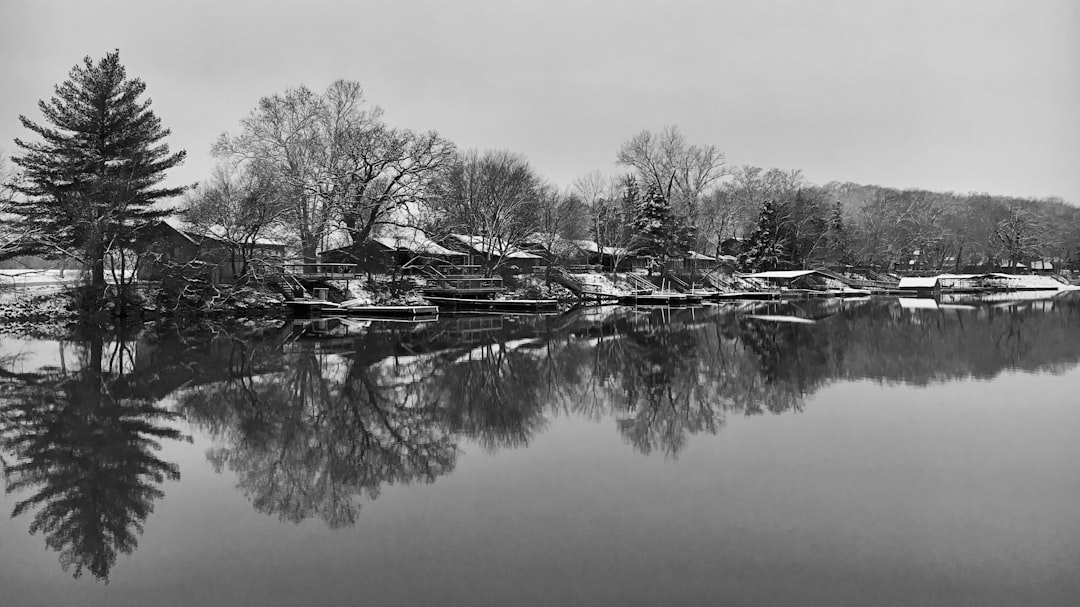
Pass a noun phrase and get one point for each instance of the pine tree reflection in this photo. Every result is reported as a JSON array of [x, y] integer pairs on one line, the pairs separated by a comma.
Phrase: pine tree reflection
[[84, 451]]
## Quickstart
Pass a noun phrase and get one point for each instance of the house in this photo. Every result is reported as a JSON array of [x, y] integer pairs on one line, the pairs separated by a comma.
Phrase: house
[[611, 259], [490, 251], [167, 249], [395, 249], [1042, 266]]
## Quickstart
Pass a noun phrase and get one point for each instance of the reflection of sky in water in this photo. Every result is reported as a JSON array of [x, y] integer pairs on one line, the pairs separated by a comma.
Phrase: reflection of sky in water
[[952, 492]]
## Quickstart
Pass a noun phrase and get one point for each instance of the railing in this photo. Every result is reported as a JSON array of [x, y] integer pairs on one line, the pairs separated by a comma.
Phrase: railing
[[321, 270], [676, 282], [638, 282]]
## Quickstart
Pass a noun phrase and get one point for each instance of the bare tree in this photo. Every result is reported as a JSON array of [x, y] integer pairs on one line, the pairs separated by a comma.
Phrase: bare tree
[[302, 139], [491, 196], [240, 207], [561, 218], [383, 172], [681, 172], [1020, 235], [10, 238]]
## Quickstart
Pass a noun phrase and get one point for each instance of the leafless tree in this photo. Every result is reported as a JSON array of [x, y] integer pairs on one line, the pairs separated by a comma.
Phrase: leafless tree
[[384, 171], [492, 196], [239, 206], [683, 173], [301, 138]]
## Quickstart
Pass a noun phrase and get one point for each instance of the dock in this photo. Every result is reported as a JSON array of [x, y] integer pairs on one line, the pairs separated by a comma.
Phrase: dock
[[368, 311], [659, 299], [307, 308], [494, 305]]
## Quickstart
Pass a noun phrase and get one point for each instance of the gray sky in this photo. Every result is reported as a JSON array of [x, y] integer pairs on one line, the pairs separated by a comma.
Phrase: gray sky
[[961, 95]]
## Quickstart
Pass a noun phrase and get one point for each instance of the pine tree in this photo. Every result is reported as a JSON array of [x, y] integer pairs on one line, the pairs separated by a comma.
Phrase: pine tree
[[838, 237], [658, 231], [764, 249], [92, 180]]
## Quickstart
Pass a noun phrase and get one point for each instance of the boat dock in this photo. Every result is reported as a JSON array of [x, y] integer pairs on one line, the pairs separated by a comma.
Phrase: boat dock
[[462, 304]]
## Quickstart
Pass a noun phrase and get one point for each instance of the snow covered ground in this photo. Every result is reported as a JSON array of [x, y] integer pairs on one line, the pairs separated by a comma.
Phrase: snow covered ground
[[25, 278]]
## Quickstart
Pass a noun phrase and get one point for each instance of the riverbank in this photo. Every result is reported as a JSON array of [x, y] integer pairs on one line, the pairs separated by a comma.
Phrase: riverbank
[[52, 310]]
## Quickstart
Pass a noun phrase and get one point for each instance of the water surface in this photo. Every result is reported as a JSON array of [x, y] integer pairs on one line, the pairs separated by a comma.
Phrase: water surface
[[882, 454]]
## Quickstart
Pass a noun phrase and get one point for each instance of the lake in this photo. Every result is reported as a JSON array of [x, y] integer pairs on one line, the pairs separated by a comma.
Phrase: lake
[[829, 452]]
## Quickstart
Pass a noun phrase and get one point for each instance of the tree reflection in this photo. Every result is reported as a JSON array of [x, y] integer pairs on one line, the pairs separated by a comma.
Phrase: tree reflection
[[84, 452], [314, 438]]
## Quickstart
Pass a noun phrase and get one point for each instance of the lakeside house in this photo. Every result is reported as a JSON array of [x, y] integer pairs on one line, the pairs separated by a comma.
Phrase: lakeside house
[[166, 248], [489, 251], [396, 249], [610, 259]]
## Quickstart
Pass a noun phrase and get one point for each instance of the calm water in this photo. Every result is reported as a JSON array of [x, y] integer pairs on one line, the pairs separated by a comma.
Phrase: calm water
[[879, 455]]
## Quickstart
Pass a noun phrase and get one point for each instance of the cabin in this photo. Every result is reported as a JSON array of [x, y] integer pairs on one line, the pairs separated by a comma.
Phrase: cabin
[[166, 249], [1041, 266], [610, 259], [399, 249], [489, 251], [556, 250]]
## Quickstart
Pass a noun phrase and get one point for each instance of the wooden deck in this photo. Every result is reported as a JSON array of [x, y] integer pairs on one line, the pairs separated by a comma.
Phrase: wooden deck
[[495, 305], [366, 311]]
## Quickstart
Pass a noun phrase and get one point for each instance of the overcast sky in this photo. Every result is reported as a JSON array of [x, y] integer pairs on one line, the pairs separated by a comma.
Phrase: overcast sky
[[961, 95]]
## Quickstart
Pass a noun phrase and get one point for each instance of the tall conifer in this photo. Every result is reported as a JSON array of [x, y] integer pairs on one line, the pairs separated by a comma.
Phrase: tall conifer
[[93, 178]]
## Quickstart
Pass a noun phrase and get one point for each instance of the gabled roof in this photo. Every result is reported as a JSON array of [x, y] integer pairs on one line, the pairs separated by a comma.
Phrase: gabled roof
[[220, 233], [488, 245], [413, 240], [217, 233], [591, 246]]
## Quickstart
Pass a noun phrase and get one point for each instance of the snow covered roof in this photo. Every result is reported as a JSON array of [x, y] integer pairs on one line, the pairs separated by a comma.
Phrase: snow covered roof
[[216, 232], [591, 246], [414, 240], [220, 233], [918, 282], [492, 246], [694, 255]]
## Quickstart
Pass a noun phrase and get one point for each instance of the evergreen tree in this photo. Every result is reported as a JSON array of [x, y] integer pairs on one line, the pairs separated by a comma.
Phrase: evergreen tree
[[839, 241], [658, 231], [92, 180], [765, 248]]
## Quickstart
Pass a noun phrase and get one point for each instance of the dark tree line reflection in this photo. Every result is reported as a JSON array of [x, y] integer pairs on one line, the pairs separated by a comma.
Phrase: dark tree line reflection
[[316, 419]]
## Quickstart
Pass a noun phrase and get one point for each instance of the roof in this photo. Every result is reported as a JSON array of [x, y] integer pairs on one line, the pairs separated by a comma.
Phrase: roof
[[220, 233], [788, 274], [699, 256], [492, 246], [414, 240], [215, 232], [591, 246], [918, 282], [177, 227]]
